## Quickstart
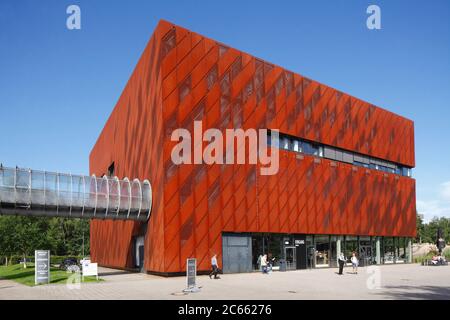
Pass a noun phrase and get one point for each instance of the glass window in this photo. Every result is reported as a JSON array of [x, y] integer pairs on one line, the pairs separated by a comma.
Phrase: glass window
[[285, 143], [365, 251], [275, 142], [360, 164], [320, 151], [273, 245], [307, 148], [350, 246], [406, 172], [401, 250], [257, 251], [310, 251], [315, 150], [296, 146], [322, 254], [389, 250], [333, 251], [407, 252]]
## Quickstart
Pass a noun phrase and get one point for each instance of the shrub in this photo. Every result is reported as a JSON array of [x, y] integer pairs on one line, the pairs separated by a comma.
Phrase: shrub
[[428, 256], [446, 253]]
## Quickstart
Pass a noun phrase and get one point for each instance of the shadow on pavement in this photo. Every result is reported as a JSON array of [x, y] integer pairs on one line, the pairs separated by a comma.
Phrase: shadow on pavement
[[115, 273], [6, 287], [416, 292]]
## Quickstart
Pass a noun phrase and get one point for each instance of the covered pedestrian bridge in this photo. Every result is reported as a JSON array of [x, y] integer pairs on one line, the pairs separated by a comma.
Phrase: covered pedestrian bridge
[[27, 192]]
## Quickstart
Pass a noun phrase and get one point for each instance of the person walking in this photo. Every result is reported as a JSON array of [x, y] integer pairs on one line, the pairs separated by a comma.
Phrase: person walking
[[215, 267], [258, 262], [341, 262], [264, 264], [355, 262]]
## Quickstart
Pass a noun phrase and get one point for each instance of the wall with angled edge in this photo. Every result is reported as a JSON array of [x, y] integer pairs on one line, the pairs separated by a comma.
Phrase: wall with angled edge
[[196, 78], [132, 140]]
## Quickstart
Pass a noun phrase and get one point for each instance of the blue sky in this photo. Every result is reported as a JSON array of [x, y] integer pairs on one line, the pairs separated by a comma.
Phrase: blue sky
[[57, 87]]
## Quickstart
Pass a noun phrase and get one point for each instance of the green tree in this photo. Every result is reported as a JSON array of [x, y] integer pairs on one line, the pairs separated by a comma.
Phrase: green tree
[[8, 245], [420, 228], [29, 235], [22, 235], [428, 231]]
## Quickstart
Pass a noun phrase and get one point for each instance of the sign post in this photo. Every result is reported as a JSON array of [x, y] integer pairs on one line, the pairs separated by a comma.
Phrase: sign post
[[41, 266], [89, 269], [191, 275]]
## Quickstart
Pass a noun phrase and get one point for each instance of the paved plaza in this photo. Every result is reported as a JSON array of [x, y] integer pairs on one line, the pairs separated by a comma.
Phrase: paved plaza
[[410, 281]]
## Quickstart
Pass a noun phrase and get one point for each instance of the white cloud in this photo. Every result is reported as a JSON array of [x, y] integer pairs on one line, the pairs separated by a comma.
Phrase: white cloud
[[433, 208], [439, 207], [445, 191]]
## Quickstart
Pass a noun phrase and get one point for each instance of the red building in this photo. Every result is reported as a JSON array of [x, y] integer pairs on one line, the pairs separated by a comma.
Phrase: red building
[[344, 181]]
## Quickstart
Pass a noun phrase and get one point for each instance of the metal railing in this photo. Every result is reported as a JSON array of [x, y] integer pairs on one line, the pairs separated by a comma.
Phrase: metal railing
[[43, 193]]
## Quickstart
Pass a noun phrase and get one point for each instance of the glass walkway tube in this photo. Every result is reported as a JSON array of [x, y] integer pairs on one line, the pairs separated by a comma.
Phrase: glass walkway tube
[[29, 192]]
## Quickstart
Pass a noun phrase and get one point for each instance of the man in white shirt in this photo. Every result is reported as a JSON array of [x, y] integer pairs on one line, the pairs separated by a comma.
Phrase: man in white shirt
[[264, 263], [215, 267]]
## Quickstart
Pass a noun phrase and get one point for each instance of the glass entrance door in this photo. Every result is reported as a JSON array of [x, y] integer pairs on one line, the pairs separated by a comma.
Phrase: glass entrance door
[[290, 256], [365, 252], [365, 255]]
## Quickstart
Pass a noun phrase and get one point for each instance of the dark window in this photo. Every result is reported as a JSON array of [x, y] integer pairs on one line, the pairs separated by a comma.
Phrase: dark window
[[111, 170]]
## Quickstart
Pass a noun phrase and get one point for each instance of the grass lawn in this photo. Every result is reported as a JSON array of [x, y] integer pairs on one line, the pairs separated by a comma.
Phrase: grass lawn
[[17, 273]]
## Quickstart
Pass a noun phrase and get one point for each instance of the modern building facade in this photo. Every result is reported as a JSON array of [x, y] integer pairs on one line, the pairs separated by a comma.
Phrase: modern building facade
[[344, 181]]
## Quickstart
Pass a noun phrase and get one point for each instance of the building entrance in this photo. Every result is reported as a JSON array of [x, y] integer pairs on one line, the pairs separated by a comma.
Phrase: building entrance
[[365, 255], [291, 258], [139, 253]]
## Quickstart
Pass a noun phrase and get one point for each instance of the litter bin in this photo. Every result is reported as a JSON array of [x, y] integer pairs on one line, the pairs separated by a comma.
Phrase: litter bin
[[282, 265]]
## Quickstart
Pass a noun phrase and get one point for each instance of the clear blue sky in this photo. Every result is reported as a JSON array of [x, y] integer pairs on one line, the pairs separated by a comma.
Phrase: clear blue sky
[[57, 87]]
